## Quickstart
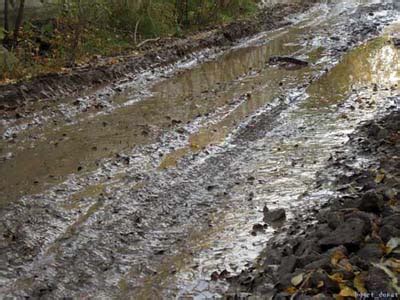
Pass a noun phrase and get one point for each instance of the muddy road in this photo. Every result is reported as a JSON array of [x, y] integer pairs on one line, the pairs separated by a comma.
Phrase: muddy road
[[145, 191]]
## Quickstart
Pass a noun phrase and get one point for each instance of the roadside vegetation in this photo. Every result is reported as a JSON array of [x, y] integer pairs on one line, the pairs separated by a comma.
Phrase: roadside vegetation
[[73, 32]]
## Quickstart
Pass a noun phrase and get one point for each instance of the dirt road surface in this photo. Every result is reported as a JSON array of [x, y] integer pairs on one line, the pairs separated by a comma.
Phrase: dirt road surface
[[146, 192]]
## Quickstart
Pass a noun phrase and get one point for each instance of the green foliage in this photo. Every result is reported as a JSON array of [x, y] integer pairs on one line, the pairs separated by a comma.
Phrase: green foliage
[[80, 29]]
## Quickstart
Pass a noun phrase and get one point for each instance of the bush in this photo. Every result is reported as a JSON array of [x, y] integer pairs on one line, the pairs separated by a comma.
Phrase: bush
[[83, 28]]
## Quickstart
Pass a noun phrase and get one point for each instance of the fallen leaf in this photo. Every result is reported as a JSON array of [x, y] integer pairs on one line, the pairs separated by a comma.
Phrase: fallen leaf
[[359, 283], [393, 277], [345, 265], [296, 280], [379, 178], [336, 257], [346, 291], [392, 245], [291, 290], [393, 263], [337, 277]]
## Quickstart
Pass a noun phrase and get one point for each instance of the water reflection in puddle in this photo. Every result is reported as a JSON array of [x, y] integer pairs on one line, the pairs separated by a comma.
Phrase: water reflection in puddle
[[284, 164], [48, 156]]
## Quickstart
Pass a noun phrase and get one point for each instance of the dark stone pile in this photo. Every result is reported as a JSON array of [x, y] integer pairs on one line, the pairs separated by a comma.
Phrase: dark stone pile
[[353, 248]]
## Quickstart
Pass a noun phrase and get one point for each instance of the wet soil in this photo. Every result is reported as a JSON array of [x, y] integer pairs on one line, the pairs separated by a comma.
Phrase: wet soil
[[158, 191], [351, 249]]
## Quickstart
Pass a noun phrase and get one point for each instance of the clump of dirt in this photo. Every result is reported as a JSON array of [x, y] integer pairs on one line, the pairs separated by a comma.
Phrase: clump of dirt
[[353, 248], [158, 53]]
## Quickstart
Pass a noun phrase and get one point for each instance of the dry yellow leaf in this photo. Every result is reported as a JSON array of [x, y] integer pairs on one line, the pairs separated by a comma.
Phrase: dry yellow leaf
[[379, 178], [346, 291], [337, 277], [336, 257], [291, 290], [346, 265], [393, 264], [359, 283]]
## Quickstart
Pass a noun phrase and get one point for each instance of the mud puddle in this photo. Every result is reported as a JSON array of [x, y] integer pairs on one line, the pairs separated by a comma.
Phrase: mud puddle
[[189, 102], [281, 169], [152, 198]]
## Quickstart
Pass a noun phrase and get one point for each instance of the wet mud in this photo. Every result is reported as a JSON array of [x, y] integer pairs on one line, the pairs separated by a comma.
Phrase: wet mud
[[160, 194], [351, 248]]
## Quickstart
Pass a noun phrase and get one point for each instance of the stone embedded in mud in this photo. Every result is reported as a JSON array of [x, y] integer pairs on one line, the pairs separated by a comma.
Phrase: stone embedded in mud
[[377, 132], [224, 274], [371, 252], [393, 220], [258, 228], [211, 187], [274, 215], [323, 263], [329, 286], [387, 232], [350, 234], [250, 197], [368, 218], [359, 262], [307, 246], [214, 276], [287, 266], [304, 260], [396, 42], [371, 202], [377, 281], [333, 218]]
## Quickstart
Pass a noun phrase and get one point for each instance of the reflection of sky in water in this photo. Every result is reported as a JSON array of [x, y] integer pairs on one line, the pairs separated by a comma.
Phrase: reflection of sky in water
[[385, 67], [283, 183]]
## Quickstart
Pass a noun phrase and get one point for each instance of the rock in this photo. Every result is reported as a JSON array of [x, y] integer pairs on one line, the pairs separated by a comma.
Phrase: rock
[[333, 218], [287, 265], [274, 257], [323, 263], [224, 274], [368, 218], [306, 259], [282, 296], [387, 232], [214, 276], [371, 252], [274, 215], [393, 220], [371, 202], [350, 234], [307, 246], [396, 42], [257, 228], [330, 286], [359, 262], [377, 281], [323, 230], [376, 131]]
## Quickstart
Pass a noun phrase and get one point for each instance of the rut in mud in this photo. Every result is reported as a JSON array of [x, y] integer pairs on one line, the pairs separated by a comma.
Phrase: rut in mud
[[161, 187]]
